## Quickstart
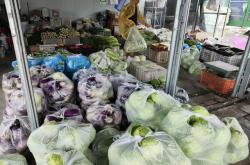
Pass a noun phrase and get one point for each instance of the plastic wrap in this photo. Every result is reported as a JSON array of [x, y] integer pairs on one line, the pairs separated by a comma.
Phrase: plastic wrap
[[62, 136], [75, 63], [58, 89], [103, 116], [149, 107], [16, 104], [101, 144], [56, 62], [39, 72], [11, 82], [135, 42], [14, 135], [118, 79], [140, 146], [66, 112], [189, 56], [202, 137], [83, 73], [237, 149], [58, 157], [95, 89], [13, 159]]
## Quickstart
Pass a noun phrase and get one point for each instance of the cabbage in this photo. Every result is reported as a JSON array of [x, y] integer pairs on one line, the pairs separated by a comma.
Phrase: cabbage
[[109, 61], [189, 56], [13, 159], [201, 110], [140, 146], [63, 136], [65, 158], [195, 68], [94, 90], [237, 149], [58, 89], [102, 116], [101, 145], [149, 106], [37, 73], [14, 135], [203, 139], [11, 82], [56, 62], [67, 112], [16, 104], [125, 90]]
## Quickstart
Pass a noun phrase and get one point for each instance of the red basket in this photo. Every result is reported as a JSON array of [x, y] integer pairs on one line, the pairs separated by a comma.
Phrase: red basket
[[217, 84]]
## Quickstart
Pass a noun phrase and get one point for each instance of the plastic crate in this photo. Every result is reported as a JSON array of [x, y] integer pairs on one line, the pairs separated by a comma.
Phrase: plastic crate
[[217, 84], [47, 48], [233, 60], [207, 55], [146, 71]]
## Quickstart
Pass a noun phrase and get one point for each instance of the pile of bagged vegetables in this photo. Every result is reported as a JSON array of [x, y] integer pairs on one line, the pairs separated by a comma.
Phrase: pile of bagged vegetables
[[100, 115]]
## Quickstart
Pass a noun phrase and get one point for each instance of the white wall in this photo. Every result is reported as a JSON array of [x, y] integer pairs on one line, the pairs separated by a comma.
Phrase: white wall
[[70, 8]]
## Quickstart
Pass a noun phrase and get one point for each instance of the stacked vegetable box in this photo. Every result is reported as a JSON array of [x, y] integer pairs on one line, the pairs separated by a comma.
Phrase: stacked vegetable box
[[103, 115]]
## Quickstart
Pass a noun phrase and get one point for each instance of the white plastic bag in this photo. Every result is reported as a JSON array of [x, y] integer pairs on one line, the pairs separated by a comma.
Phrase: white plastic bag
[[13, 159], [63, 136], [140, 146], [203, 138], [135, 42], [237, 149]]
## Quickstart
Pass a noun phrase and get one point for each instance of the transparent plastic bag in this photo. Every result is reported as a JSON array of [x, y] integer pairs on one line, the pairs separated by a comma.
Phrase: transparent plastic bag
[[101, 144], [95, 89], [141, 146], [181, 95], [62, 136], [12, 159], [203, 138], [66, 112], [189, 56], [83, 73], [237, 149], [104, 116], [196, 68], [58, 157], [14, 135], [149, 107], [135, 41], [58, 89], [16, 104], [37, 73]]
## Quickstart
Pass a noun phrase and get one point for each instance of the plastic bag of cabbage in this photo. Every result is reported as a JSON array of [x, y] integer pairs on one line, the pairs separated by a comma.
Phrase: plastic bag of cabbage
[[101, 144], [149, 107], [16, 104], [66, 112], [58, 89], [56, 62], [202, 137], [140, 146], [189, 56], [11, 82], [109, 61], [94, 89], [62, 136], [12, 159], [83, 73], [103, 116], [195, 68], [237, 149], [58, 157], [37, 73], [14, 135]]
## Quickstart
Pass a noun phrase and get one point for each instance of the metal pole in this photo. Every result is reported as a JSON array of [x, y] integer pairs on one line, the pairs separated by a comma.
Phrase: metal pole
[[21, 56], [196, 15], [179, 29], [242, 70], [225, 22], [216, 22]]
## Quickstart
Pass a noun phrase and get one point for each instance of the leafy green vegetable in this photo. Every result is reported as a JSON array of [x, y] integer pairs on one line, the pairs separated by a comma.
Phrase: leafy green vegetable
[[55, 159], [201, 110], [12, 159]]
